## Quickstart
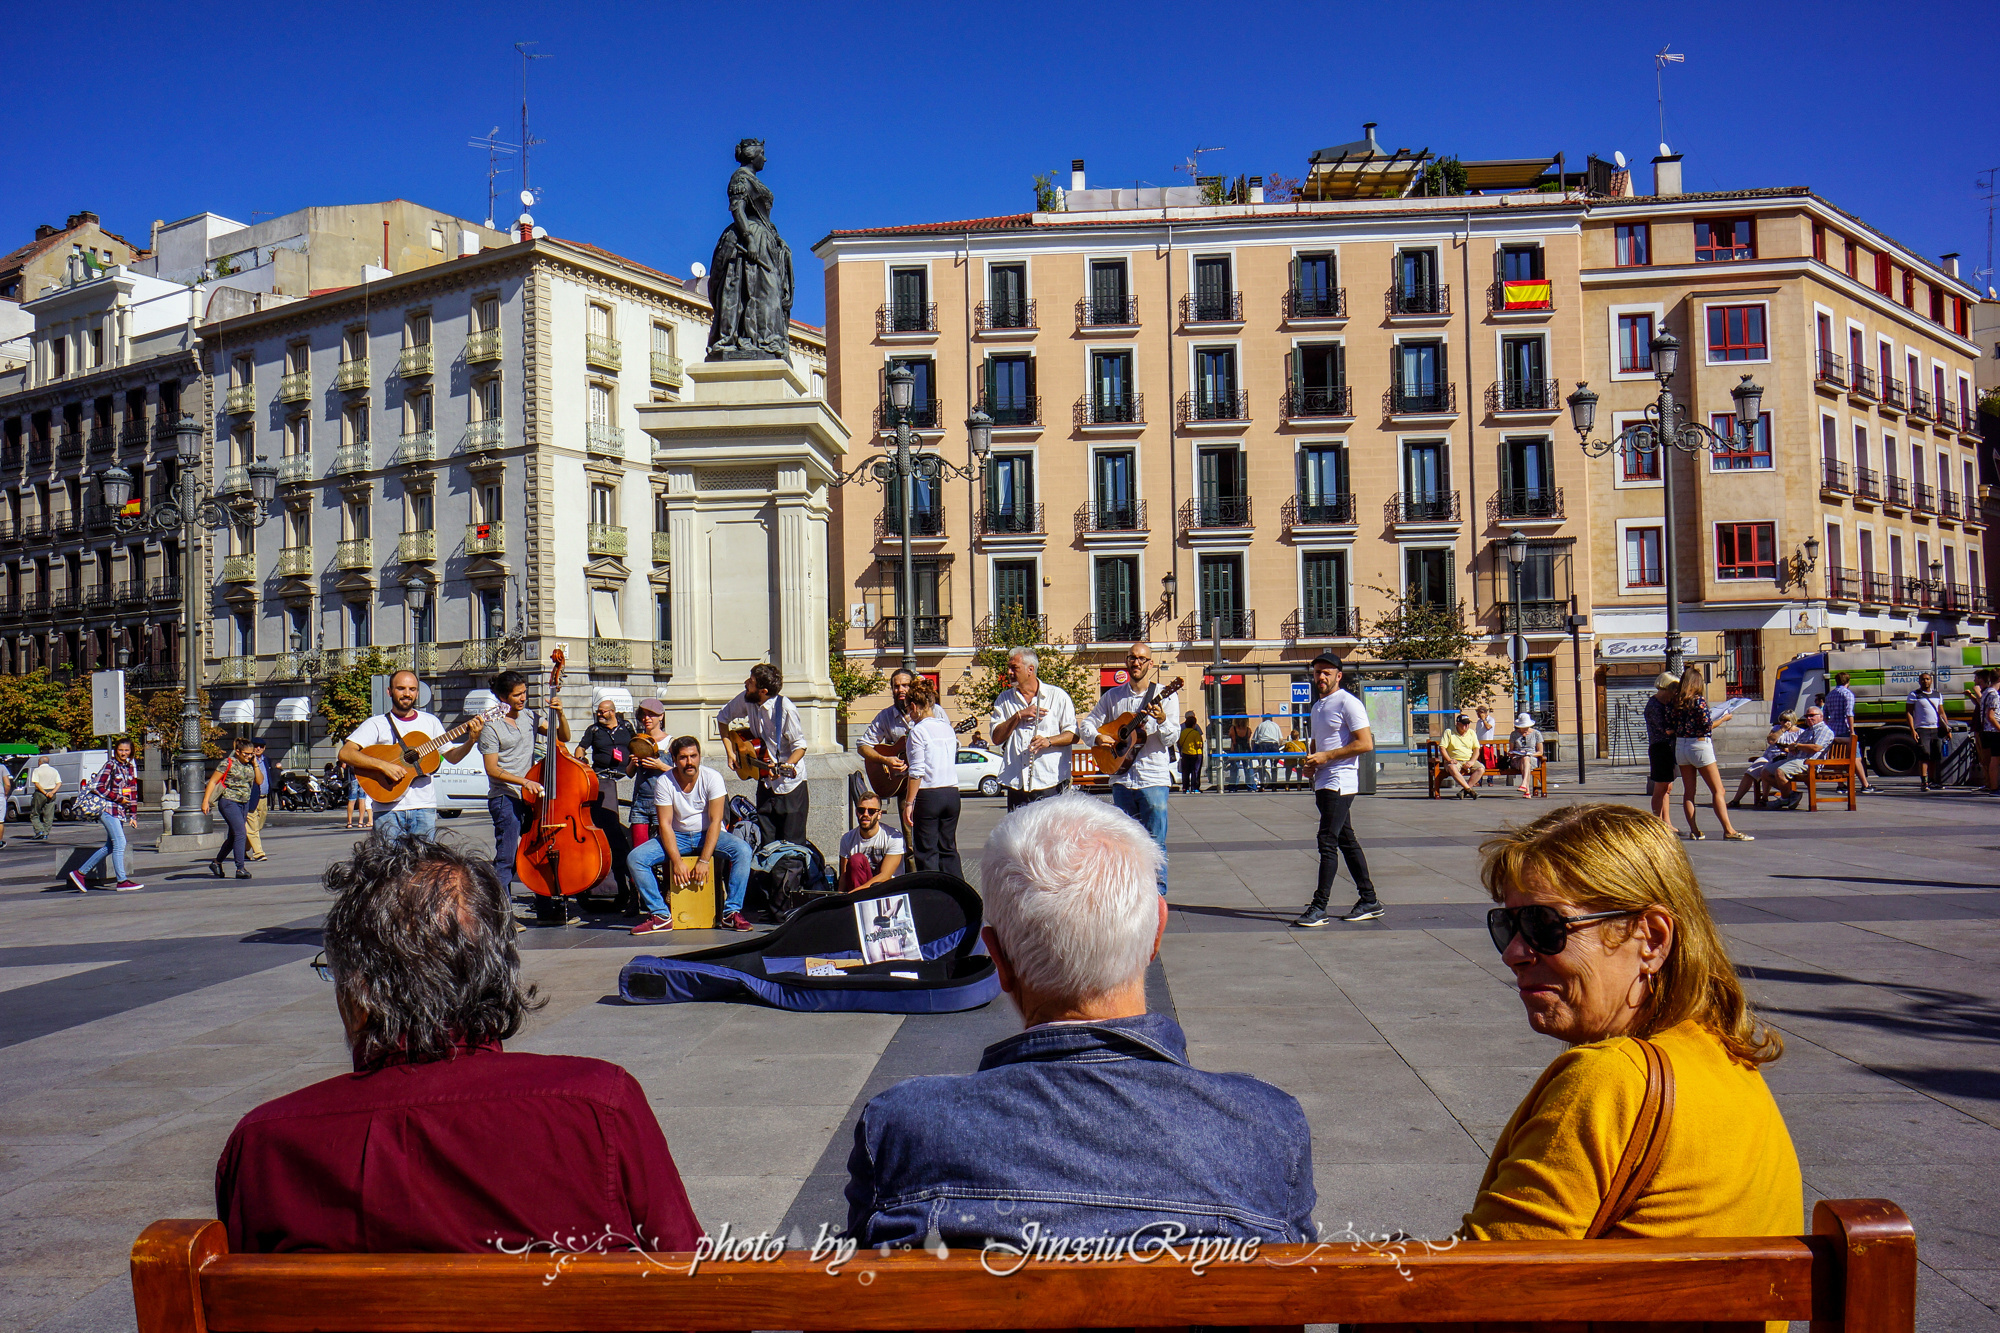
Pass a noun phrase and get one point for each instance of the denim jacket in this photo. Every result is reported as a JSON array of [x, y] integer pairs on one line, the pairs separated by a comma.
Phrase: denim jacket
[[1085, 1129]]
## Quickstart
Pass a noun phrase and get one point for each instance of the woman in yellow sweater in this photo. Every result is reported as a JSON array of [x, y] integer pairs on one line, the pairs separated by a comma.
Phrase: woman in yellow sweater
[[1610, 941]]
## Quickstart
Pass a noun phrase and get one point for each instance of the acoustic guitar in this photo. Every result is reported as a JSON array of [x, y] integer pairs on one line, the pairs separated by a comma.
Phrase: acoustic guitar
[[418, 754], [747, 755], [886, 781], [1126, 735]]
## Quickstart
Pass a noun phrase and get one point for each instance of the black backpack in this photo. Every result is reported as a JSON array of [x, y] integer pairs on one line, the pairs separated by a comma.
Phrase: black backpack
[[789, 875]]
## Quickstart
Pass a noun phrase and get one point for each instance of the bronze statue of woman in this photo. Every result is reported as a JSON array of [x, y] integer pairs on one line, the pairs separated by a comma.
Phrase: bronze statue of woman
[[750, 282]]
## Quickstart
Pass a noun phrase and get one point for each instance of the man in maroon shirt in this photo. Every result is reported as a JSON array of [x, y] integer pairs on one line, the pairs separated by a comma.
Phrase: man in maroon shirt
[[440, 1140]]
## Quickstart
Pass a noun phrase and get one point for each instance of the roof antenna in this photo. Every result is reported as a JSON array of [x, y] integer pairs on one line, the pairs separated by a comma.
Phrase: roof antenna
[[1991, 173], [1661, 60], [1193, 165], [495, 148], [527, 141]]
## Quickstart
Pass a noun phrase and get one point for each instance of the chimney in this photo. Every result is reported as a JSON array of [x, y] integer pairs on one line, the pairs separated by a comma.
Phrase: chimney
[[43, 232], [1667, 173], [1076, 173], [1368, 133], [1256, 189], [1951, 263]]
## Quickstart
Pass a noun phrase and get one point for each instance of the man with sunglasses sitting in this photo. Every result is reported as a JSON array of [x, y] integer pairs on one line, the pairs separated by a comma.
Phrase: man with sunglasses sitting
[[1460, 747]]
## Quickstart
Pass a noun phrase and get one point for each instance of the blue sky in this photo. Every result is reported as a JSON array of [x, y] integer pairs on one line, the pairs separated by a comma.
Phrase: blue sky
[[877, 114]]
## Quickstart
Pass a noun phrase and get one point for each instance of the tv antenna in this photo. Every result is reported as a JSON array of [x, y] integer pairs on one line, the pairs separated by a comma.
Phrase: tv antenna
[[1661, 59], [1992, 194], [496, 148], [1193, 165], [527, 140]]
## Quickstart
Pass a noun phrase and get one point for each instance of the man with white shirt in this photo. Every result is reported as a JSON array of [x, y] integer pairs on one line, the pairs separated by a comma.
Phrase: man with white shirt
[[688, 800], [885, 739], [1141, 790], [414, 813], [782, 796], [1923, 714], [1034, 726], [1340, 737]]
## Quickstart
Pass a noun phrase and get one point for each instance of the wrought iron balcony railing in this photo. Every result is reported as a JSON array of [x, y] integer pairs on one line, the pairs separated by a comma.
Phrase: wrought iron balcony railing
[[1011, 522], [34, 602], [1432, 298], [485, 538], [483, 435], [1843, 585], [1922, 497], [602, 438], [1219, 407], [1515, 295], [1523, 396], [356, 553], [1423, 507], [1895, 394], [1874, 588], [1947, 416], [1215, 511], [1533, 614], [610, 654], [1833, 476], [925, 414], [135, 432], [1326, 304], [233, 479], [1524, 504], [70, 444], [923, 523], [663, 548], [295, 467], [1212, 308], [1115, 629], [166, 588], [1004, 315], [103, 439], [351, 375], [1093, 411], [1422, 399], [239, 569], [1862, 383], [481, 654], [295, 561], [931, 631], [907, 317], [352, 458], [1867, 484], [414, 361], [1947, 503], [1010, 617], [238, 670], [604, 539], [96, 518], [1920, 404], [1230, 624], [663, 658], [295, 387], [667, 369], [1320, 511], [1012, 411], [419, 545], [412, 656], [1323, 622], [1325, 400], [1107, 312], [603, 351], [482, 345], [1127, 517], [419, 446], [132, 592], [1897, 492], [97, 597], [1830, 368], [240, 398]]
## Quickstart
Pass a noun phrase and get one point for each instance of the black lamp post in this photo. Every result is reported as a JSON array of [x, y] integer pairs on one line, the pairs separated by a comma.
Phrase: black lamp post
[[1661, 432], [193, 509], [1517, 642]]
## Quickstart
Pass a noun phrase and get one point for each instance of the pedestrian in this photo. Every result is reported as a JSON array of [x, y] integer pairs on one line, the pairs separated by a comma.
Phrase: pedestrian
[[1988, 705], [1487, 732], [1340, 737], [1141, 790], [1660, 743], [6, 800], [1524, 751], [783, 798], [360, 814], [1838, 706], [1034, 724], [414, 813], [647, 769], [932, 812], [1190, 746], [41, 804], [253, 827], [1694, 753], [114, 795], [1923, 713], [235, 782], [606, 745], [1265, 740]]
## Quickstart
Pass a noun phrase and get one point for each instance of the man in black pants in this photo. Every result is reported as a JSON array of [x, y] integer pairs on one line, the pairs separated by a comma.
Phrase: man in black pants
[[1340, 737], [782, 795]]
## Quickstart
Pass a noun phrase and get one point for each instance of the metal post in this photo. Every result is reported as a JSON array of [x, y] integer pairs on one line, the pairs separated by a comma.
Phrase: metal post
[[1515, 640], [1576, 662], [1663, 444], [906, 478], [189, 820]]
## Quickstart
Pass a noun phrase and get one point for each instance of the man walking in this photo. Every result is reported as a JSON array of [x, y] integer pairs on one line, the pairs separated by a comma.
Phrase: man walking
[[783, 799], [1034, 724], [414, 813], [253, 823], [1340, 736], [41, 803], [1839, 712], [1141, 790]]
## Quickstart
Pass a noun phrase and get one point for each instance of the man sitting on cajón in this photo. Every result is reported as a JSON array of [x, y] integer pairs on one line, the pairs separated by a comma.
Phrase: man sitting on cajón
[[440, 1141], [1090, 1122]]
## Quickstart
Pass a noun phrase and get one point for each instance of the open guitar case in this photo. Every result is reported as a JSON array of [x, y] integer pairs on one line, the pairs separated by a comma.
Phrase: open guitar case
[[953, 974]]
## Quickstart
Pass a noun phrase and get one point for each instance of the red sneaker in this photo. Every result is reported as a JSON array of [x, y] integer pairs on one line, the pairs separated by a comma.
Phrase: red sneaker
[[654, 925], [734, 921]]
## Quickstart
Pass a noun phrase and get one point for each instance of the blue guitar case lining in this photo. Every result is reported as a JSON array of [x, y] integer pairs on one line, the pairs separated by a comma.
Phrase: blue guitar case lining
[[954, 973]]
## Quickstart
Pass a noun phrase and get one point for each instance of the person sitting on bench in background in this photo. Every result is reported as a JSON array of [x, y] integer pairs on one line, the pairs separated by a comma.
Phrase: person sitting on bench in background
[[1460, 750], [1813, 740], [1091, 1121], [871, 852], [441, 1141]]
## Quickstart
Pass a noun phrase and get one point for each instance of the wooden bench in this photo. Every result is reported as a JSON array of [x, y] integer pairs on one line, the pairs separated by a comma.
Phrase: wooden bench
[[1838, 768], [1857, 1271], [1538, 776]]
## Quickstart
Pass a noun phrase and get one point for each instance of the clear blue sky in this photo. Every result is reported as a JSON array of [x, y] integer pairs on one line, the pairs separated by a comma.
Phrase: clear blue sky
[[896, 113]]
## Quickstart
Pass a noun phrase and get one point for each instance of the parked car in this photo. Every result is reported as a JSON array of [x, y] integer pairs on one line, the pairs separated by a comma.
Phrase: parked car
[[461, 786], [979, 770], [76, 767]]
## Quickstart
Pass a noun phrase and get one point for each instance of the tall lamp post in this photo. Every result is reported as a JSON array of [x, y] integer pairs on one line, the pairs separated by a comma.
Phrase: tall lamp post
[[1517, 642], [1663, 430], [192, 509]]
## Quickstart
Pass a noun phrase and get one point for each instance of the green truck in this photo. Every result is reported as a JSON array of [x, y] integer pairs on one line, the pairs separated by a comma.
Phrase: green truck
[[1882, 679]]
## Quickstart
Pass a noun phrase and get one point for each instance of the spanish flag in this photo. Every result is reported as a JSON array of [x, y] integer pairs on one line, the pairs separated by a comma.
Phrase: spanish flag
[[131, 507], [1526, 293]]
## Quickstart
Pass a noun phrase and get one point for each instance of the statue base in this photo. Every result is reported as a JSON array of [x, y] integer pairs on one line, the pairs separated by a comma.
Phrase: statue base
[[746, 354]]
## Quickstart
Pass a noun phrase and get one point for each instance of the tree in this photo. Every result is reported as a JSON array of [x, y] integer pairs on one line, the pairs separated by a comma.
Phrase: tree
[[1282, 189], [1446, 176], [160, 714], [31, 710], [347, 697], [1426, 632], [1047, 198], [1011, 629], [850, 682]]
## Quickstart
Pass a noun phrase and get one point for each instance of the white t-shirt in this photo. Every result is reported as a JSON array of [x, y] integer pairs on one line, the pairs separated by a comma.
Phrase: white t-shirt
[[375, 731], [1152, 765], [1924, 708], [690, 807], [886, 843], [1483, 728], [1335, 719], [932, 753]]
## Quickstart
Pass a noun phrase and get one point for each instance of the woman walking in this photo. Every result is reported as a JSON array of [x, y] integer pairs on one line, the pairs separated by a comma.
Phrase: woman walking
[[1660, 743], [932, 753], [1190, 746], [360, 812], [115, 794], [1694, 752], [236, 780]]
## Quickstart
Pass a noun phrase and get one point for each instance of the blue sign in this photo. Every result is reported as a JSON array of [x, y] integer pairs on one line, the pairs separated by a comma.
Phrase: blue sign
[[1302, 692]]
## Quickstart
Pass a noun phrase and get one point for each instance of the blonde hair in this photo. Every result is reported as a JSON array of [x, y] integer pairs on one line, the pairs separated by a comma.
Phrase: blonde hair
[[1603, 857]]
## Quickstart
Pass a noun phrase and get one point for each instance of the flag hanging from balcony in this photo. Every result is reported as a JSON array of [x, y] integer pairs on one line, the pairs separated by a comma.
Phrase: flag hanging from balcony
[[1526, 293]]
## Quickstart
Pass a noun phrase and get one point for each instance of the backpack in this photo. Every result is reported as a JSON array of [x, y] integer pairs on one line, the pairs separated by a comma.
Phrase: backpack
[[785, 876], [739, 819]]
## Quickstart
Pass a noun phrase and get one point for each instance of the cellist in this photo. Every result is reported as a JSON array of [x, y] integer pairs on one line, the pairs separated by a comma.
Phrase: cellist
[[507, 746]]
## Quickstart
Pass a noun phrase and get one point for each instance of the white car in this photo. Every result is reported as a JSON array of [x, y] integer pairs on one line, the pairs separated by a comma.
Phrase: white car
[[461, 786], [979, 770]]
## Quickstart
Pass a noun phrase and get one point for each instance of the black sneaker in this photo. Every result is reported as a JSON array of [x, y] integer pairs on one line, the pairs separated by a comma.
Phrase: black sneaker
[[1312, 917], [1367, 909]]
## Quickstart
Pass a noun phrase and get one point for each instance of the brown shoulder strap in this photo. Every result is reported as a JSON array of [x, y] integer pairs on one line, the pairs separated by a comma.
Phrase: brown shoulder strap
[[1641, 1157]]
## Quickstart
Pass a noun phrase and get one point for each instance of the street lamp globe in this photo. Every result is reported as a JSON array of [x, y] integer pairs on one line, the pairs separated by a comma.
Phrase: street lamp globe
[[298, 642], [1666, 351], [187, 439], [1749, 405], [417, 593], [263, 482], [1517, 548], [902, 386], [117, 483], [979, 427], [1583, 408]]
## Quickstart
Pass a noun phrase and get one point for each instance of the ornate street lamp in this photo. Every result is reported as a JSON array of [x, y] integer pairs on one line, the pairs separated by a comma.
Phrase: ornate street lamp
[[1517, 642]]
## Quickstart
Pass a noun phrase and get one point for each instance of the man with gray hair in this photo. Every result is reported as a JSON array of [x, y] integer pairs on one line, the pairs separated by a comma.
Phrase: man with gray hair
[[1090, 1123], [1033, 725]]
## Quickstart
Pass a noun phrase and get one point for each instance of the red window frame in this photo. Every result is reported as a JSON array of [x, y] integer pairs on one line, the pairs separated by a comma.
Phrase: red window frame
[[1635, 349], [1909, 289], [1885, 275], [1634, 242], [1738, 333], [1819, 242], [1746, 551], [1853, 257], [1639, 464], [1937, 305], [1651, 568], [1756, 458], [1724, 240]]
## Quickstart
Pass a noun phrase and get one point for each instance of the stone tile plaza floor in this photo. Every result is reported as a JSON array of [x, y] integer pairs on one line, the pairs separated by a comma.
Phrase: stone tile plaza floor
[[137, 1027]]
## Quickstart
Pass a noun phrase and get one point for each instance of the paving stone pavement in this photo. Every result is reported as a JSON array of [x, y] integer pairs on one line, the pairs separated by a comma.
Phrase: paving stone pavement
[[136, 1028]]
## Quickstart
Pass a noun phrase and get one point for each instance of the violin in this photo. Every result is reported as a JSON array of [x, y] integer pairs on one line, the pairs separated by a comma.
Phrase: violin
[[563, 852]]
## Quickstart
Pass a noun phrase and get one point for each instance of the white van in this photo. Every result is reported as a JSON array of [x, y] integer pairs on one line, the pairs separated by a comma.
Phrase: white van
[[461, 786], [76, 767]]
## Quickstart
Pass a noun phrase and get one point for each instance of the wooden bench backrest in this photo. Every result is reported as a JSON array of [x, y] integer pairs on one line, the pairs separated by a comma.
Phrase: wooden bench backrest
[[1858, 1271]]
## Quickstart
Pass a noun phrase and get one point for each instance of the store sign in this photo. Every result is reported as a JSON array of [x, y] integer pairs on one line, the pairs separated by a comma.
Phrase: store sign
[[1110, 678], [1612, 650], [1206, 681]]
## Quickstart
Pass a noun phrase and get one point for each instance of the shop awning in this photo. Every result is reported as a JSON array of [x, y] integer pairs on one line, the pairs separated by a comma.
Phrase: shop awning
[[298, 708], [237, 712]]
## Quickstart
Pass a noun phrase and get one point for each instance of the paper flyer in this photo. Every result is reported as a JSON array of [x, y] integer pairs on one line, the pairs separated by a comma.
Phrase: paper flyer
[[888, 930]]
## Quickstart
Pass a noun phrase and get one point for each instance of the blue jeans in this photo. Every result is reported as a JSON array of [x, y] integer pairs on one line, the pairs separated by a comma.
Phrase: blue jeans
[[509, 815], [237, 840], [1148, 805], [652, 853], [395, 824], [114, 847]]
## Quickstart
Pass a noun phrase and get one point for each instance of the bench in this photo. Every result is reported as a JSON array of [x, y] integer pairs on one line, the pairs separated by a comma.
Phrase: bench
[[1856, 1272], [1837, 769], [1538, 776]]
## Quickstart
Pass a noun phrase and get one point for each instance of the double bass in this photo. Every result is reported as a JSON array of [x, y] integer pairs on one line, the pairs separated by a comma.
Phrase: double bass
[[563, 852]]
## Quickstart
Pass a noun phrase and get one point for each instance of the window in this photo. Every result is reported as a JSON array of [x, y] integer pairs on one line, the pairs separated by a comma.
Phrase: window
[[1635, 244], [1010, 494], [354, 344], [354, 425], [1213, 296], [357, 625], [599, 321], [1819, 242], [1852, 257], [1520, 263], [243, 634], [1756, 458], [1418, 382], [1112, 397], [1427, 477], [1323, 493], [1937, 304], [1315, 287], [418, 330], [1527, 479], [924, 601], [492, 622], [486, 399], [909, 300], [1744, 653], [1222, 491], [1643, 566], [663, 340], [663, 617], [1885, 274], [1635, 344], [244, 371], [598, 397], [923, 398], [491, 506], [354, 520], [1015, 586], [1109, 302], [58, 357], [1010, 390], [1416, 280], [1215, 384], [1746, 551], [1428, 577], [1220, 578], [422, 511], [1736, 333], [1720, 239], [1524, 383], [1909, 289], [298, 358], [486, 314], [1117, 598], [416, 411], [1857, 360], [1325, 587], [604, 505], [93, 343], [1114, 490], [1007, 296]]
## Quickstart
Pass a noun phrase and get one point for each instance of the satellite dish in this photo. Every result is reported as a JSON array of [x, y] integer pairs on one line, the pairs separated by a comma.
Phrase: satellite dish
[[1666, 151], [541, 233], [527, 198], [1619, 158], [699, 269]]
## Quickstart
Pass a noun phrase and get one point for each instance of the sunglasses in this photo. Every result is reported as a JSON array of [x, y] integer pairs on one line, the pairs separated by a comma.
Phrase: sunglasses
[[321, 968], [1544, 928]]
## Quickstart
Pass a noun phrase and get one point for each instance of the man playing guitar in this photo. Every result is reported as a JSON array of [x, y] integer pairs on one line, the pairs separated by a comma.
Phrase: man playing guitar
[[884, 740], [1141, 789], [414, 813], [782, 795], [508, 748]]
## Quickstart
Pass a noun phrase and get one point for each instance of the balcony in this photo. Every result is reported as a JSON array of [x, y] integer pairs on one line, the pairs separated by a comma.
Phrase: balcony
[[906, 317], [1229, 408], [40, 448], [239, 670], [1833, 477], [132, 592], [925, 414], [1010, 618], [1521, 296], [1018, 522], [295, 562], [355, 553], [1091, 411], [481, 655], [1921, 405], [70, 445], [1318, 402], [34, 526], [1423, 507], [9, 532], [296, 387], [352, 458], [603, 351], [667, 369], [1947, 504], [239, 569], [414, 361], [1898, 493], [1107, 312], [604, 539], [103, 439], [1013, 411], [931, 631], [1947, 417], [1115, 518], [663, 548], [484, 435], [1420, 300], [604, 440], [1335, 622], [419, 446], [1895, 396], [998, 316], [351, 375], [1199, 626], [33, 603], [1874, 588], [482, 345], [97, 598], [69, 523], [231, 480], [1325, 511], [485, 538], [419, 545], [1534, 506], [166, 588], [134, 434], [1922, 498], [294, 468], [146, 675], [1862, 384], [240, 398], [96, 518], [412, 656], [1830, 370], [1212, 308], [1215, 511], [1843, 585], [10, 458], [923, 523], [663, 658], [1867, 484], [1110, 629], [1302, 305], [1523, 396], [1420, 400], [10, 607]]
